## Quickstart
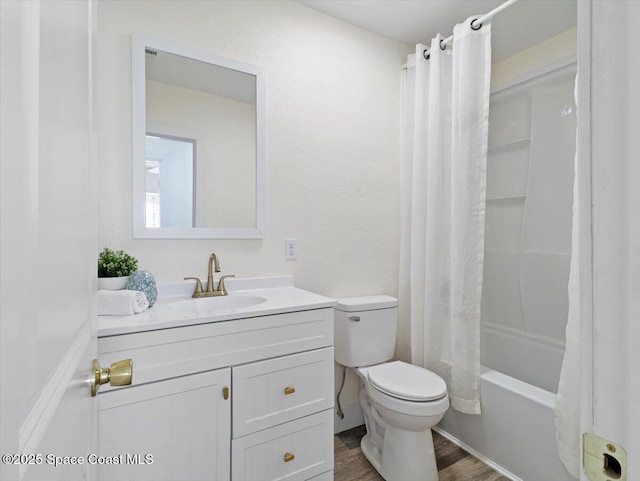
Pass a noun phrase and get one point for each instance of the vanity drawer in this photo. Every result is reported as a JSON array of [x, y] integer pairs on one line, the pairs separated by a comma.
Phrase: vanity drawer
[[295, 451], [180, 351], [276, 391]]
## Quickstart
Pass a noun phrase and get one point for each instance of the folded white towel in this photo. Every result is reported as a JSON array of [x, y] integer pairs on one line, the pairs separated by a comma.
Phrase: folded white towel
[[121, 303]]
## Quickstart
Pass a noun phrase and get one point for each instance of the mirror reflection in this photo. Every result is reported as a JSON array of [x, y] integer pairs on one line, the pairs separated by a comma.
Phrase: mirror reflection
[[198, 143], [170, 198], [192, 178]]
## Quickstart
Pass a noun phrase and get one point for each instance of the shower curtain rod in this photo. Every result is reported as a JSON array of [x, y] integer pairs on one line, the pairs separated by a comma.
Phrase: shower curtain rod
[[475, 25]]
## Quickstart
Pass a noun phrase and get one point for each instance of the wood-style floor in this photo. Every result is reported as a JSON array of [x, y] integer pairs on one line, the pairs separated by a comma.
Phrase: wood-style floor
[[454, 464]]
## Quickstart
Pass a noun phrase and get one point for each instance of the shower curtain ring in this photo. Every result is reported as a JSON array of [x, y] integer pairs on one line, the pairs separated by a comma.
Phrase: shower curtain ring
[[475, 28], [442, 47], [426, 54]]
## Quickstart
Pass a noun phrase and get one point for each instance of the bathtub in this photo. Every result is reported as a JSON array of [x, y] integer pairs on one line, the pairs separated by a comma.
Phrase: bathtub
[[514, 434]]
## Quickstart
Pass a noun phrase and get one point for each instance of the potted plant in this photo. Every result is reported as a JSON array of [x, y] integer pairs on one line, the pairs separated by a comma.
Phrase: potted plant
[[114, 269]]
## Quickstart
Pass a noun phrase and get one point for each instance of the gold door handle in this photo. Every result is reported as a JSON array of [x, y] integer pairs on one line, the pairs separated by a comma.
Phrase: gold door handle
[[289, 390], [288, 457], [225, 393], [118, 374]]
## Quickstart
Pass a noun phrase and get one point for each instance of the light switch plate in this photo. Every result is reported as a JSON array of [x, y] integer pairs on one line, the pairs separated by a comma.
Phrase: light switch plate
[[603, 460]]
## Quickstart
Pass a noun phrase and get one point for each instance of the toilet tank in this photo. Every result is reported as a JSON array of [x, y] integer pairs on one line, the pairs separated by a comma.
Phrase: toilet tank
[[365, 330]]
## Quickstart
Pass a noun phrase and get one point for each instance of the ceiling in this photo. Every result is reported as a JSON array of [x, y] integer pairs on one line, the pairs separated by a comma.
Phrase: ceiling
[[520, 26]]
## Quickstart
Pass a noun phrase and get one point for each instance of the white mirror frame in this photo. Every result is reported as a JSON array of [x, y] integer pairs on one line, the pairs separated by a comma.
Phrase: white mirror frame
[[138, 117]]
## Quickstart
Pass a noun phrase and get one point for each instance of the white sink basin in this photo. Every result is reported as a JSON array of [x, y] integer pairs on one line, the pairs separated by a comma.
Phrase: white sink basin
[[248, 297], [206, 305]]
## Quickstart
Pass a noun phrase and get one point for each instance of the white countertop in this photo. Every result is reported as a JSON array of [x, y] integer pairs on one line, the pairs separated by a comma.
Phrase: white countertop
[[280, 295]]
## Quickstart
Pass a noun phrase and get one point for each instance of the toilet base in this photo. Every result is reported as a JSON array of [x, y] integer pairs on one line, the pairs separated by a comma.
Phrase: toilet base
[[397, 454], [407, 456], [371, 452]]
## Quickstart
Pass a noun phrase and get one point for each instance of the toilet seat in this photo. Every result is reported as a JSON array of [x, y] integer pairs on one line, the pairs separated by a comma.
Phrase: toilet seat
[[407, 382]]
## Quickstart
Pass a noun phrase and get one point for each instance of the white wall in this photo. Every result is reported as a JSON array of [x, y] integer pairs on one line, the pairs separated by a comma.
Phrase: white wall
[[333, 96]]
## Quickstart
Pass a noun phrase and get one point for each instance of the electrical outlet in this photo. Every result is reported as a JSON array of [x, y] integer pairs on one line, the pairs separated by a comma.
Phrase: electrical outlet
[[290, 249]]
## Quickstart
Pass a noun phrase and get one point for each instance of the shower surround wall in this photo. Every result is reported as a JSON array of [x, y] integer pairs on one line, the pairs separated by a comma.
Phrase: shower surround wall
[[532, 131]]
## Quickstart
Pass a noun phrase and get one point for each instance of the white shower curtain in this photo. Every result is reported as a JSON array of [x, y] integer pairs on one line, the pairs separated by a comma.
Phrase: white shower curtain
[[443, 203], [567, 403]]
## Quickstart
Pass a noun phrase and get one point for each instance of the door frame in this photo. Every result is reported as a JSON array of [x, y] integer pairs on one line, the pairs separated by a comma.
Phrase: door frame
[[608, 112]]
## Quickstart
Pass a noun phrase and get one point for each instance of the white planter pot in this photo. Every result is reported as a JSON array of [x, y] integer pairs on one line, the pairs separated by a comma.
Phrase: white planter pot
[[112, 283]]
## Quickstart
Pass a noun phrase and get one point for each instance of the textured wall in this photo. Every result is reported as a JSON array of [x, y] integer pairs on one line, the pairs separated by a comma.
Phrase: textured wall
[[333, 104]]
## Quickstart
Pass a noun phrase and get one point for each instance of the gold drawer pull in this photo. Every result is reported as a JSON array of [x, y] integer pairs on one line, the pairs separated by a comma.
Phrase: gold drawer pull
[[225, 393], [289, 390], [288, 457]]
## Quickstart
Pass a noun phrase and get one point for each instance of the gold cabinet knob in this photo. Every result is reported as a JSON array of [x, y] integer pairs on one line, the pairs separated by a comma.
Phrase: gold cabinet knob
[[288, 457], [118, 374], [289, 390], [225, 393]]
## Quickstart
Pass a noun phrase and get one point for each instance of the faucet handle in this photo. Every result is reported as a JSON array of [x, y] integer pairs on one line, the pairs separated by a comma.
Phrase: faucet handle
[[221, 288], [198, 286]]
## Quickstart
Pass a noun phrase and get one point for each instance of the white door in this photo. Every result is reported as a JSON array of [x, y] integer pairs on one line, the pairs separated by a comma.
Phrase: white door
[[48, 238]]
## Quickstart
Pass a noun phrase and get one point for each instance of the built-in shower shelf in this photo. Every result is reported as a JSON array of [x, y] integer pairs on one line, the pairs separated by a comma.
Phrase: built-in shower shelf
[[503, 251], [506, 197], [510, 144]]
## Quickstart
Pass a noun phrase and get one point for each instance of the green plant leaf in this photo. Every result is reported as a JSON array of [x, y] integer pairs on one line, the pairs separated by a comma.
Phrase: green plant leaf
[[116, 263]]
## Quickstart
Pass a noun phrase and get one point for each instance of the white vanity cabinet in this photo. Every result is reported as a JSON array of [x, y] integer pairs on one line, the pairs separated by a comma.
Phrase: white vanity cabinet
[[275, 423], [169, 430], [282, 417]]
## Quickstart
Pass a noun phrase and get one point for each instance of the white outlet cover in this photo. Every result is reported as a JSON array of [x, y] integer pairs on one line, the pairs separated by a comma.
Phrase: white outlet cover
[[290, 249]]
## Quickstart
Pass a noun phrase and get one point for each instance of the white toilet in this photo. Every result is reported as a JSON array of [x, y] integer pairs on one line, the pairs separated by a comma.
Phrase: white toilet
[[401, 402]]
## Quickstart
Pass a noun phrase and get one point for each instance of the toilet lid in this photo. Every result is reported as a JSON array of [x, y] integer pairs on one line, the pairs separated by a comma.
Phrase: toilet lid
[[406, 381]]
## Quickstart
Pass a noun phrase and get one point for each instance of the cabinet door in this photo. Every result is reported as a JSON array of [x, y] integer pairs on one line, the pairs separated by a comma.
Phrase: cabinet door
[[174, 429]]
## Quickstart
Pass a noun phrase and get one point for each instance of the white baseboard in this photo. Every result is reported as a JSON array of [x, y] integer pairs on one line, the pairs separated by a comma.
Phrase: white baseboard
[[353, 417], [476, 454]]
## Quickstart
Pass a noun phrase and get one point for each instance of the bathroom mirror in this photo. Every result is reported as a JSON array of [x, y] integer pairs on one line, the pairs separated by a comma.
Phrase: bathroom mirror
[[198, 143]]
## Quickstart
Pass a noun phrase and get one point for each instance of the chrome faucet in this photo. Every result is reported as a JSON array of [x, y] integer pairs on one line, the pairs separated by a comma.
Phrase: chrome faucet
[[214, 266]]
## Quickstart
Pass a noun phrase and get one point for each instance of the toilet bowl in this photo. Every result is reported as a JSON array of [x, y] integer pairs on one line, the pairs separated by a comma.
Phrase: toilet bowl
[[400, 402]]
